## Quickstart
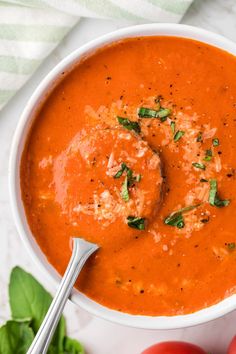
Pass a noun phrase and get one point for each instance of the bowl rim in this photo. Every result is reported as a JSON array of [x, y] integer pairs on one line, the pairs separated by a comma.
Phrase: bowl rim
[[137, 321]]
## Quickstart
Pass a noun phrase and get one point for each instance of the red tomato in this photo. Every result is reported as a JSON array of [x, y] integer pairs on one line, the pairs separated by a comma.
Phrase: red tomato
[[232, 346], [175, 348]]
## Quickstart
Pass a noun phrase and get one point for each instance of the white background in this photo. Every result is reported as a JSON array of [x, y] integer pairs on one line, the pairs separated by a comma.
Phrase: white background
[[98, 336]]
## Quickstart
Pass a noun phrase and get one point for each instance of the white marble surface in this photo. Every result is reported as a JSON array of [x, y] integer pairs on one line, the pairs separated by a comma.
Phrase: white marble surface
[[98, 336]]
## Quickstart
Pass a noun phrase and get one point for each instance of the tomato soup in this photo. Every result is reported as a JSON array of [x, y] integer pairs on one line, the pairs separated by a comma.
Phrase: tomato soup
[[134, 150]]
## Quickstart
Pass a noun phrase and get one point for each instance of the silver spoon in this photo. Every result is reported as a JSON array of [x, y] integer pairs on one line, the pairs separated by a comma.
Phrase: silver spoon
[[82, 250]]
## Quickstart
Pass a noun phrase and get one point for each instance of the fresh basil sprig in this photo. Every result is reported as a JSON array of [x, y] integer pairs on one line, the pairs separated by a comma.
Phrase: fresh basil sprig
[[29, 303]]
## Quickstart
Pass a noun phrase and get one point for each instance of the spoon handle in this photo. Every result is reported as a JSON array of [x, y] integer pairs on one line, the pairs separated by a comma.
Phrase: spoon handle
[[81, 252]]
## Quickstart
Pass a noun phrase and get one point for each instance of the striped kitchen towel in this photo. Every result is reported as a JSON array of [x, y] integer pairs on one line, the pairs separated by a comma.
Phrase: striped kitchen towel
[[31, 29]]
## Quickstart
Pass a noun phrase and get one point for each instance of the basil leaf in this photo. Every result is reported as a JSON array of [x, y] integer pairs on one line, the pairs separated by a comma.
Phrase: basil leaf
[[213, 191], [189, 208], [129, 180], [178, 135], [136, 222], [15, 337], [215, 142], [120, 172], [162, 113], [176, 218], [214, 199], [208, 156], [29, 299], [172, 126], [124, 190], [129, 176], [147, 113], [221, 203], [138, 178], [199, 165], [128, 124], [72, 346]]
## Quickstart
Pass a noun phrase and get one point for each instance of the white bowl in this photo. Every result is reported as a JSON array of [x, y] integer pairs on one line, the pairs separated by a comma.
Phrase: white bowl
[[25, 122]]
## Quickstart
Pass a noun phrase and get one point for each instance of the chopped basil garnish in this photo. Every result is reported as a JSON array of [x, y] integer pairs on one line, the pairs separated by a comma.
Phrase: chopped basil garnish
[[199, 137], [120, 172], [176, 218], [147, 113], [221, 203], [130, 125], [129, 180], [231, 246], [162, 113], [172, 126], [215, 142], [201, 166], [178, 135], [138, 178], [136, 222], [203, 180], [213, 191], [214, 199], [124, 190], [129, 175], [208, 156]]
